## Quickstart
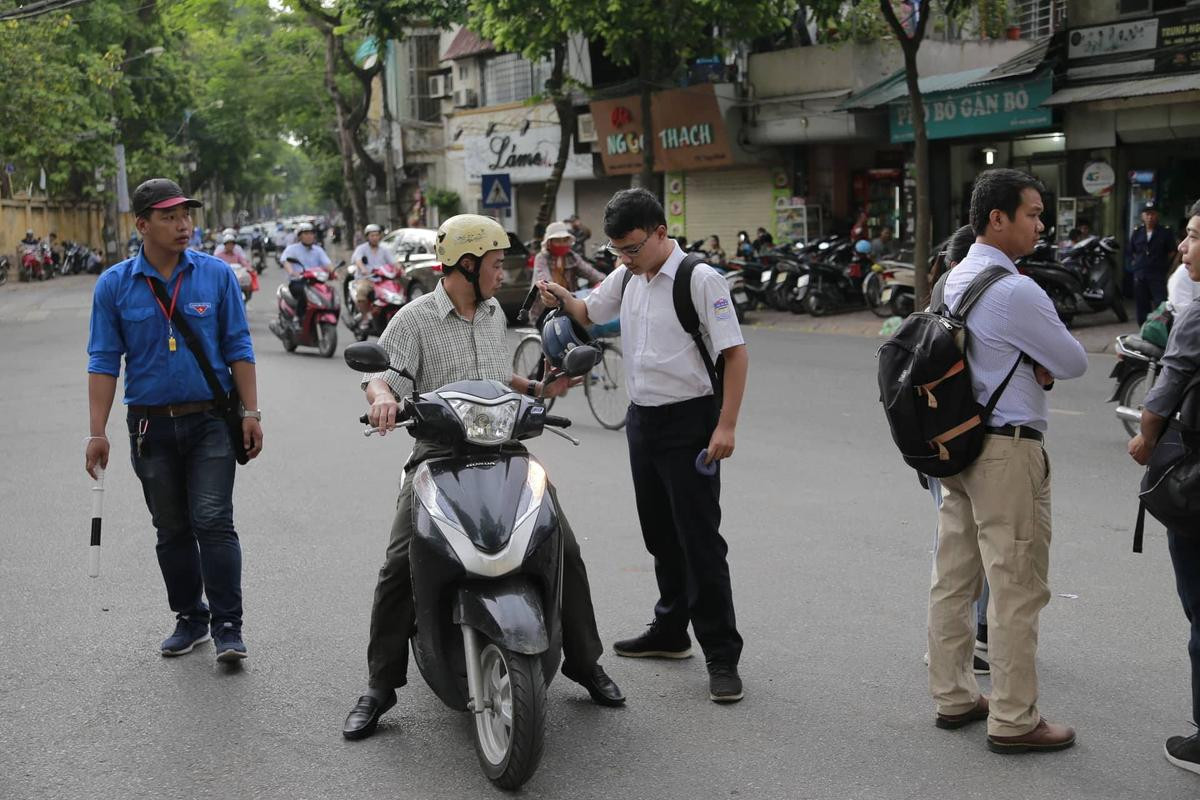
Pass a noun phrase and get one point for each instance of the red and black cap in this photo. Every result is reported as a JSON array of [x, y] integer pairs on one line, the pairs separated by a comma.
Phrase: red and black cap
[[160, 193]]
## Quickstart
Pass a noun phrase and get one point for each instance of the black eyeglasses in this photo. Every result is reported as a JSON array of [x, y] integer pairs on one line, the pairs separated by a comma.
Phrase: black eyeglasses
[[629, 251]]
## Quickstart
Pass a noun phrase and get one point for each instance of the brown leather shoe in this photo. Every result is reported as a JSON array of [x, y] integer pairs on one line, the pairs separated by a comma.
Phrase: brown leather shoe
[[952, 722], [1045, 737]]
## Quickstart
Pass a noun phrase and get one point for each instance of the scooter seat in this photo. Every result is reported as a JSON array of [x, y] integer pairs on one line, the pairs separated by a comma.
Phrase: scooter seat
[[1140, 345]]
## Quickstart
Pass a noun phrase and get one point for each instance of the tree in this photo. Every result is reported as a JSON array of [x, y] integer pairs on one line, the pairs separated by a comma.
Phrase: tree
[[662, 36]]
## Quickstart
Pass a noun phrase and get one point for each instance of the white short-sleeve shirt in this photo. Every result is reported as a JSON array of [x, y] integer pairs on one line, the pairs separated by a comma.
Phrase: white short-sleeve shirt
[[662, 363]]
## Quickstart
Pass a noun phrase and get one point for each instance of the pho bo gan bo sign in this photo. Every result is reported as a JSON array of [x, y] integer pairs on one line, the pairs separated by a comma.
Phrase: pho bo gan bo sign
[[988, 109]]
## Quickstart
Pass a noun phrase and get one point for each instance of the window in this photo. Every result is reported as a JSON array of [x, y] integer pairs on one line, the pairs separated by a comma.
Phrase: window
[[1040, 18], [422, 62], [510, 79], [464, 70]]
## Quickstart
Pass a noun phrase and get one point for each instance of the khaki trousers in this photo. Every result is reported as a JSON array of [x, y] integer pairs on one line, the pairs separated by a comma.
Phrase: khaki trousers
[[996, 515]]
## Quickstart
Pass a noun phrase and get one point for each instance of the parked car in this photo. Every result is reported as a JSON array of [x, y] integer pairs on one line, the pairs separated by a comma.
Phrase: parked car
[[415, 250]]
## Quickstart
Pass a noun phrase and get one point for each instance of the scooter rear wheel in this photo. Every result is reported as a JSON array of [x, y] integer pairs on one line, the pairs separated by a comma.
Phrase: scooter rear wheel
[[510, 731]]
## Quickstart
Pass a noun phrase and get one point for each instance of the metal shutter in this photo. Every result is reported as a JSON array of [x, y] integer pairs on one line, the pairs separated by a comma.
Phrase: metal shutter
[[727, 201]]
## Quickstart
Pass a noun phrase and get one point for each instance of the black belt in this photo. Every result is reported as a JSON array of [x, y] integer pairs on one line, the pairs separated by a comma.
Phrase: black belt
[[1020, 431], [180, 410]]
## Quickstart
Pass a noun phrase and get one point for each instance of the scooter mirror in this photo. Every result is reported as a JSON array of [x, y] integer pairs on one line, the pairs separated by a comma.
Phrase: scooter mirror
[[367, 357], [580, 360]]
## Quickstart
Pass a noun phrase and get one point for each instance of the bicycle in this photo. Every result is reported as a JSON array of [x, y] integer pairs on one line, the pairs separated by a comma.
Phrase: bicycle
[[603, 386]]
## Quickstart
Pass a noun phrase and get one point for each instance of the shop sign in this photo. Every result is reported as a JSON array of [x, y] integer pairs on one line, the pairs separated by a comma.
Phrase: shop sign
[[997, 108], [689, 131], [526, 157], [1171, 42], [1098, 178]]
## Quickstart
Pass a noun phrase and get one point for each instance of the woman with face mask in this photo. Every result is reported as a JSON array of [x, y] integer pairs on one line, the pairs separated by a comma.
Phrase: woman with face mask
[[557, 263]]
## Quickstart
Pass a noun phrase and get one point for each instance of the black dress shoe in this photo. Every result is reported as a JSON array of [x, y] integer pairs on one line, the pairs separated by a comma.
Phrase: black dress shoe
[[603, 689], [362, 719]]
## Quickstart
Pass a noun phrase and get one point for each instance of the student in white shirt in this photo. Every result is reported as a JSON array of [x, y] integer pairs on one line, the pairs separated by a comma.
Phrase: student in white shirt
[[1181, 289], [674, 416]]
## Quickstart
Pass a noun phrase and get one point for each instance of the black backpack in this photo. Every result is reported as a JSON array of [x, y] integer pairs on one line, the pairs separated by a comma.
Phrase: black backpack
[[925, 384], [685, 311]]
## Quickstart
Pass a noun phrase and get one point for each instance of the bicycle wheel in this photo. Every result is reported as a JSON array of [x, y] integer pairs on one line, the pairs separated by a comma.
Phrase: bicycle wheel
[[605, 388], [528, 363]]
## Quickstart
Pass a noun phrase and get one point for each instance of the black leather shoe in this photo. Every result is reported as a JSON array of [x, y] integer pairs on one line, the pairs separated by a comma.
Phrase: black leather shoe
[[364, 717], [603, 689]]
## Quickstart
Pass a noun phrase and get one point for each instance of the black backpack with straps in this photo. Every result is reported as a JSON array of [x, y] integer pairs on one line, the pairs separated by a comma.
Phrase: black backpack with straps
[[689, 319], [925, 384]]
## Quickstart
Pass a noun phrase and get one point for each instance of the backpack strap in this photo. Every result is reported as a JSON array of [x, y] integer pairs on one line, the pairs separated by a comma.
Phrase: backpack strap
[[975, 289], [689, 319], [625, 281], [1139, 528], [937, 297]]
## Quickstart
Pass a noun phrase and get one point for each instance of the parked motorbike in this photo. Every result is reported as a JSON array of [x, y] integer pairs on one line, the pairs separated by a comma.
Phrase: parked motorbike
[[486, 559], [387, 297], [77, 258], [3, 270], [319, 327], [834, 281], [1136, 370], [897, 296], [1081, 280], [36, 263]]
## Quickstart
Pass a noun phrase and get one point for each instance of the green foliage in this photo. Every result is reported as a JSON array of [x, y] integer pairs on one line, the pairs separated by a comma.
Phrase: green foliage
[[993, 18], [860, 23], [447, 202]]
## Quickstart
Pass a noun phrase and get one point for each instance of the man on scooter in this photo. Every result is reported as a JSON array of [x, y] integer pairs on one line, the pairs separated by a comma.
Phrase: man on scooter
[[297, 257], [367, 256], [456, 332]]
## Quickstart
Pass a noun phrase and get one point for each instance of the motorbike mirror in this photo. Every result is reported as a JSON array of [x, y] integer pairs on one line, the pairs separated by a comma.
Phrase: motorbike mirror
[[367, 357], [580, 360]]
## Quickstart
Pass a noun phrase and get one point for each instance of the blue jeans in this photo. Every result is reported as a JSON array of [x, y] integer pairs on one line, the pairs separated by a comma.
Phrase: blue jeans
[[1185, 558], [935, 490], [186, 467]]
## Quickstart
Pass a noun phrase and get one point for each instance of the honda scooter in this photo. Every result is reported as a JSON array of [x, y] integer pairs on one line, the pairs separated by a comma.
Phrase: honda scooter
[[1081, 280], [1136, 369], [319, 327], [486, 559], [387, 297]]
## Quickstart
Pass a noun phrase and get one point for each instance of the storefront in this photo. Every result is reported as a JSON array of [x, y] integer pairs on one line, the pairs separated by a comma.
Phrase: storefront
[[712, 186], [1131, 110]]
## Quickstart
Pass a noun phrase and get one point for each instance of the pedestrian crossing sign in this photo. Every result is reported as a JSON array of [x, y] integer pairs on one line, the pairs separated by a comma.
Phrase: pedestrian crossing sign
[[497, 190]]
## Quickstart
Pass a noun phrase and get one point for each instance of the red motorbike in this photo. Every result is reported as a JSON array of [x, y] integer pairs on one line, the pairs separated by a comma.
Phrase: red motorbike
[[387, 297], [318, 326], [36, 262]]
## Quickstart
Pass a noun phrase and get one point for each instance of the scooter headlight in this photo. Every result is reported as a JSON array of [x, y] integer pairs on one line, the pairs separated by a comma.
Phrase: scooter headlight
[[531, 495], [484, 424], [802, 282], [427, 492]]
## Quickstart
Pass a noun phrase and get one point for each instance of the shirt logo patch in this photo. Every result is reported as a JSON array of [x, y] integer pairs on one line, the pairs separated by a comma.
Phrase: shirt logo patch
[[200, 308], [721, 308]]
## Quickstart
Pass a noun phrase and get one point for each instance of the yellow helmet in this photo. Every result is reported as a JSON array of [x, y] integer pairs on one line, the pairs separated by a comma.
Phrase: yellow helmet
[[468, 234]]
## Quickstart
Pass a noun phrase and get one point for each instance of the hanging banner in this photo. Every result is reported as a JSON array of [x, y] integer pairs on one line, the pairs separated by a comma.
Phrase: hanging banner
[[993, 108]]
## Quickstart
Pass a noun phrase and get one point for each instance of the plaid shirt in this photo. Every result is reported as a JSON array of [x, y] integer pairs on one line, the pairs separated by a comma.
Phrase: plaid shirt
[[437, 346]]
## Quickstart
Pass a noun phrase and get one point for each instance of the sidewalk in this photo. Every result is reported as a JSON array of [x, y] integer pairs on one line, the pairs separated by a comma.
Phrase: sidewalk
[[1096, 332]]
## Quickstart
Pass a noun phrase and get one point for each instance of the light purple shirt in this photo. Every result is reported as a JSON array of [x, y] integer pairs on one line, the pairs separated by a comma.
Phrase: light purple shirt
[[1013, 317]]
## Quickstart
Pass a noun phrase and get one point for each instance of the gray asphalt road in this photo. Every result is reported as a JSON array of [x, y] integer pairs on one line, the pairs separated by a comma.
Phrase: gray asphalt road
[[830, 539]]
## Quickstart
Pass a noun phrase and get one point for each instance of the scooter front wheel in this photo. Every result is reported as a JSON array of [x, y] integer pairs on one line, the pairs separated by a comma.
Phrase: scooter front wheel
[[510, 729], [1132, 394], [327, 345]]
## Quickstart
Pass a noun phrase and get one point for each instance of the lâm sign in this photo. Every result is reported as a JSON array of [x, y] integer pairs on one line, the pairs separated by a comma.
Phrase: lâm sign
[[527, 157], [998, 108]]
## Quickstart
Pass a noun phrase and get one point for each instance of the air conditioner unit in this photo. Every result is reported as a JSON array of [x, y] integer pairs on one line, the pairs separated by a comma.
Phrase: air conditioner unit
[[439, 86], [465, 98], [586, 130]]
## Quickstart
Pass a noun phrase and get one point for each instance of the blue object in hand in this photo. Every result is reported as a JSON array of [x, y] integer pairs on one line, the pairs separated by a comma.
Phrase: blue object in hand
[[705, 469]]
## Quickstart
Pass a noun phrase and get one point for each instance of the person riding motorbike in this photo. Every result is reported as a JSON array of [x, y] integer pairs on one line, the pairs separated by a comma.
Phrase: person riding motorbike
[[557, 262], [456, 332], [303, 254], [230, 253], [367, 257], [30, 241]]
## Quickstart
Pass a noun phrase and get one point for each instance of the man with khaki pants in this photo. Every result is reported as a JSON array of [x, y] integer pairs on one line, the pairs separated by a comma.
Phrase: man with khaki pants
[[995, 514]]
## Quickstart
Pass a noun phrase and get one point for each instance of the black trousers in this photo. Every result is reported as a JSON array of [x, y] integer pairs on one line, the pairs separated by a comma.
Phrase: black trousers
[[680, 514], [1185, 558], [299, 289], [1149, 292], [393, 614]]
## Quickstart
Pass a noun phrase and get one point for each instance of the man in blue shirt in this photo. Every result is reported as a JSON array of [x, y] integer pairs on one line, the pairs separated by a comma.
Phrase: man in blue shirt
[[182, 451], [1150, 256], [298, 256]]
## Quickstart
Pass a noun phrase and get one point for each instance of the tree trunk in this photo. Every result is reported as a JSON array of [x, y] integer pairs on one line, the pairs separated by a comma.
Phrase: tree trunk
[[389, 156], [646, 80], [922, 224], [566, 129], [356, 213]]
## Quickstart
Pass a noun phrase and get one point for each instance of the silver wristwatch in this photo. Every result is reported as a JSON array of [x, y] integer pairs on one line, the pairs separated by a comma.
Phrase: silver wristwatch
[[248, 414]]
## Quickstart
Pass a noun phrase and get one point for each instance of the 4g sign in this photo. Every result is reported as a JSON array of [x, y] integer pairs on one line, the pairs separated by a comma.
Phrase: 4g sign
[[988, 109]]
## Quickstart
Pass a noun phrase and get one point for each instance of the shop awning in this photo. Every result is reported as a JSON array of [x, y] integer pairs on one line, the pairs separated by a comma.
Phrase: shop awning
[[1167, 84]]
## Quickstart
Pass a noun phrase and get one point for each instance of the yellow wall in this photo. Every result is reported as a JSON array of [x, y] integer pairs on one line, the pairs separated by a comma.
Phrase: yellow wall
[[80, 222]]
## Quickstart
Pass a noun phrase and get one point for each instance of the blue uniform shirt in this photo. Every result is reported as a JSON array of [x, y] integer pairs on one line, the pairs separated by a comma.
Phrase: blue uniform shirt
[[127, 320], [1151, 254]]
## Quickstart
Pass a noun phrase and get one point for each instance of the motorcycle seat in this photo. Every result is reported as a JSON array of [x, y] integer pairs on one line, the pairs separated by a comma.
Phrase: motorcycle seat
[[1140, 345]]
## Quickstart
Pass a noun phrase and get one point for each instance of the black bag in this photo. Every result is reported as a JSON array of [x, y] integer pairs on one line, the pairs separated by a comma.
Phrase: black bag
[[689, 319], [1170, 488], [228, 405], [925, 384]]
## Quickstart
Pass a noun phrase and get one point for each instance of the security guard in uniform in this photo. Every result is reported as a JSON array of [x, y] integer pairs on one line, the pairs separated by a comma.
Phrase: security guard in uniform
[[1150, 256], [678, 430], [454, 333], [182, 452]]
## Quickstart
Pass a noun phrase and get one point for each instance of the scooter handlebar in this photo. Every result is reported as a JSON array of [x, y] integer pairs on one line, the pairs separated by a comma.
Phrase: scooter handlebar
[[556, 422]]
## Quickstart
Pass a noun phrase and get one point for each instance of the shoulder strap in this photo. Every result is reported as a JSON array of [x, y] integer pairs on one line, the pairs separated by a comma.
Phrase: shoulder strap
[[979, 284], [937, 296], [689, 319], [189, 338], [625, 281]]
